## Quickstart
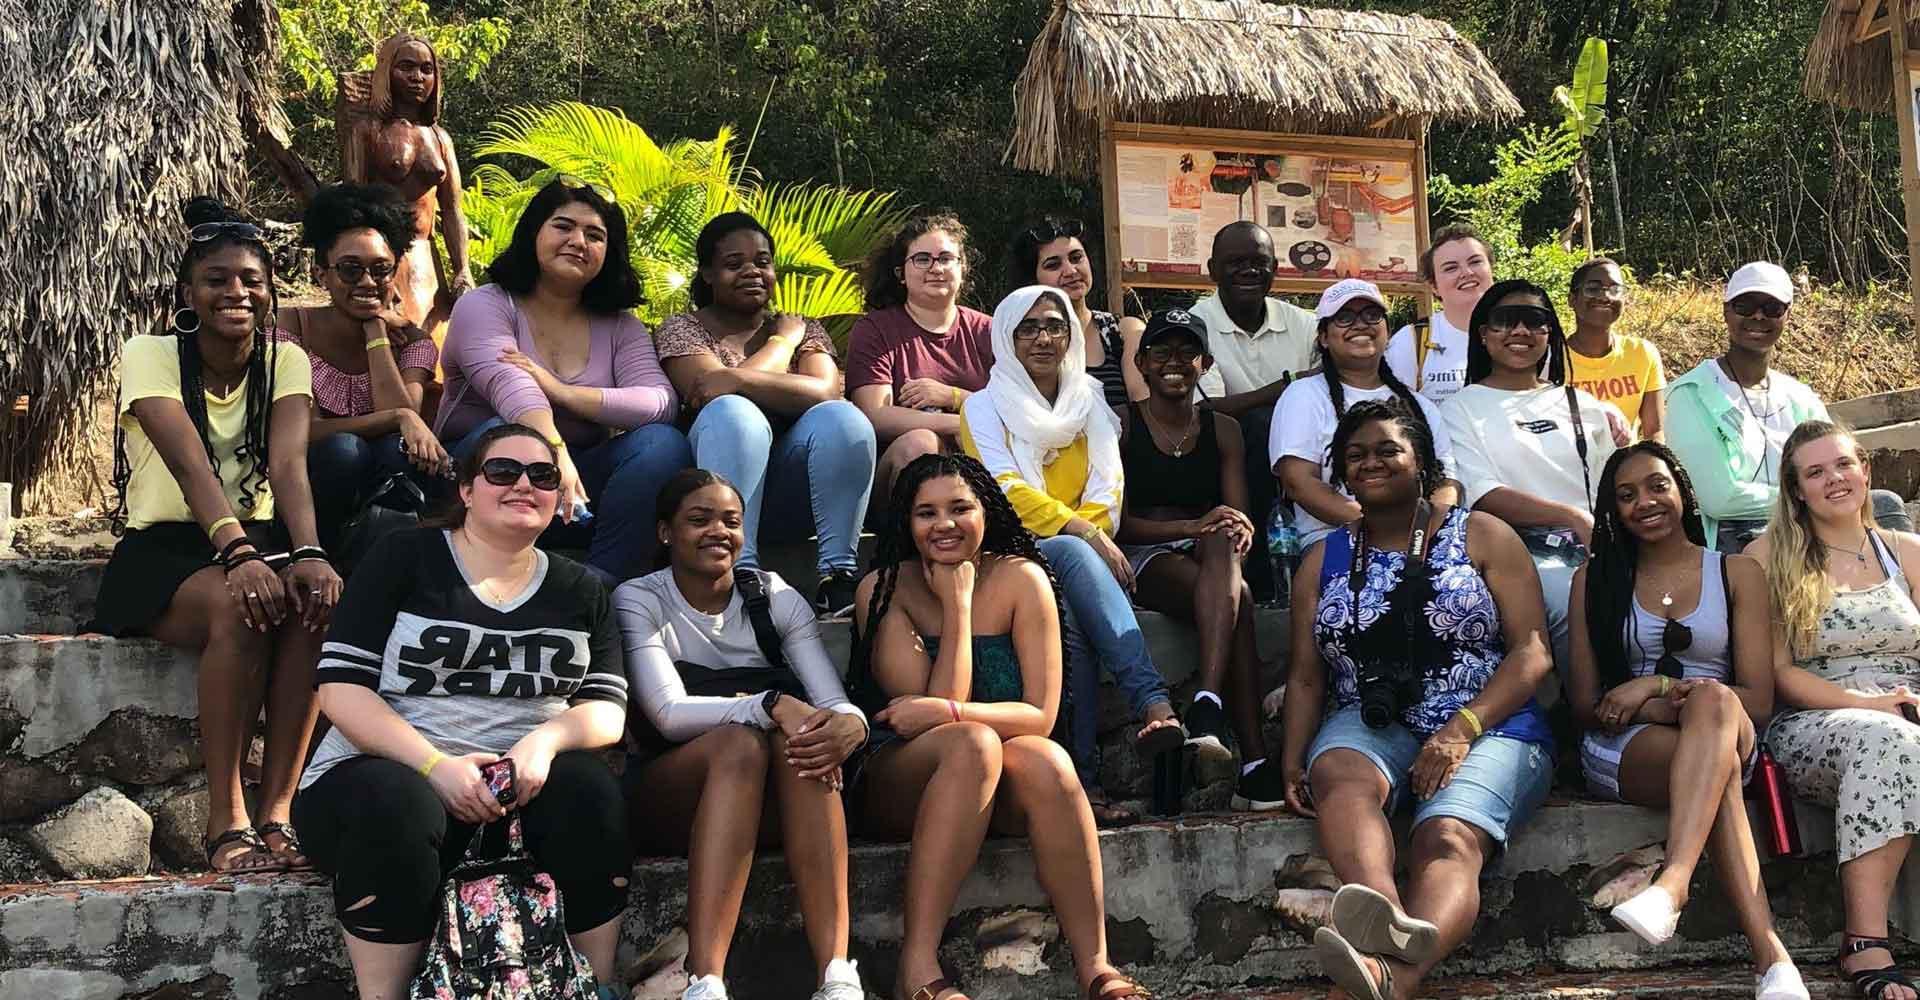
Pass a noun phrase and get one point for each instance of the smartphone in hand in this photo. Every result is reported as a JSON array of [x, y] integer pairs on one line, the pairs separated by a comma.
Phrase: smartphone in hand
[[1912, 714], [499, 778]]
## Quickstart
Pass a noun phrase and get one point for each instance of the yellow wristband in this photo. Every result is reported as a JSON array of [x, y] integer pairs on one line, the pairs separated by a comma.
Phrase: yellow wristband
[[956, 397], [1472, 720], [214, 528], [1666, 684], [376, 343], [426, 769]]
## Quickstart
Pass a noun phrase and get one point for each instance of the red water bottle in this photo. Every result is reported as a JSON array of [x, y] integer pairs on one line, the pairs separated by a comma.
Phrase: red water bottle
[[1782, 827]]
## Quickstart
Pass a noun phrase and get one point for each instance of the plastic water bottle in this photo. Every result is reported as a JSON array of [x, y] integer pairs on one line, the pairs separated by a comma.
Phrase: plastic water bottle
[[1283, 551]]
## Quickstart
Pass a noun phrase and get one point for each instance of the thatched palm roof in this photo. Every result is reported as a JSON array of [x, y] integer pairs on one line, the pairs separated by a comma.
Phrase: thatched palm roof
[[1852, 74], [116, 113], [1240, 64]]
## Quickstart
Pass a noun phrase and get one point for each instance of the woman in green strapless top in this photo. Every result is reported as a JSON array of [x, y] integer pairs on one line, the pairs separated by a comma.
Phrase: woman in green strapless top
[[957, 655]]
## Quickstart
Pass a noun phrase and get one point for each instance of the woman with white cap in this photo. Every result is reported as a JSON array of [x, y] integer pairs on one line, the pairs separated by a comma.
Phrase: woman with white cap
[[1729, 417], [1350, 352]]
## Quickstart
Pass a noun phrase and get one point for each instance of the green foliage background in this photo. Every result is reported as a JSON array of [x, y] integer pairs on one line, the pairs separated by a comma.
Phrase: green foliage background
[[1719, 157]]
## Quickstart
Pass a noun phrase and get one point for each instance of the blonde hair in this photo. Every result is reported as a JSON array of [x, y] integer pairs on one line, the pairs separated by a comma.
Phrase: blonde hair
[[382, 81], [1796, 561]]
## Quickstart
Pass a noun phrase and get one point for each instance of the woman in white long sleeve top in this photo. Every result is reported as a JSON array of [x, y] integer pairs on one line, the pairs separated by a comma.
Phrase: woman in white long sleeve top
[[705, 764]]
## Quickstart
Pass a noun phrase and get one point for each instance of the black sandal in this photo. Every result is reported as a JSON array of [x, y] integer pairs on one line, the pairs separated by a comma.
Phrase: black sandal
[[255, 860], [290, 855], [1871, 983]]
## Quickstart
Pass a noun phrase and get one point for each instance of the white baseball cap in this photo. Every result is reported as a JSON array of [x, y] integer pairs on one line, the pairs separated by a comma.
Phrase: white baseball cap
[[1761, 276], [1338, 294]]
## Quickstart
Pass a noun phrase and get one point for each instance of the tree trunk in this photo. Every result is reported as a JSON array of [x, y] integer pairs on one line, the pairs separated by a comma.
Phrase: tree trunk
[[257, 24]]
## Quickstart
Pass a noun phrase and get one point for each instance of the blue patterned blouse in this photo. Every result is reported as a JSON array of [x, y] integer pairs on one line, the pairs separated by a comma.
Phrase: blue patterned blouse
[[1461, 617]]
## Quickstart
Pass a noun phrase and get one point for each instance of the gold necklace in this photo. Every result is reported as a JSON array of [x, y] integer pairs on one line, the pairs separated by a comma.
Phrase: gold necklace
[[519, 578], [1178, 448]]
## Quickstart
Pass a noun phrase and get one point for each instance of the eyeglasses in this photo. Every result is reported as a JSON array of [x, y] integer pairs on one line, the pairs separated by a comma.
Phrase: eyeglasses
[[1373, 316], [1033, 329], [1675, 639], [1603, 290], [925, 261], [544, 476], [1160, 354], [1769, 307], [214, 230], [1535, 318], [572, 183], [351, 271]]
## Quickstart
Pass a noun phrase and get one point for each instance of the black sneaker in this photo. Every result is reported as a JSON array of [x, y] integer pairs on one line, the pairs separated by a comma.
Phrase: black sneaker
[[834, 600], [1206, 722], [1263, 789]]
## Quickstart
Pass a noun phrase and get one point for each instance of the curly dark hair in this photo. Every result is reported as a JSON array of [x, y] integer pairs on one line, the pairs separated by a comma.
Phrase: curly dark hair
[[1024, 252], [1553, 366], [252, 450], [614, 290], [1403, 414], [1005, 535], [1615, 559], [675, 492], [886, 280], [719, 228], [339, 208]]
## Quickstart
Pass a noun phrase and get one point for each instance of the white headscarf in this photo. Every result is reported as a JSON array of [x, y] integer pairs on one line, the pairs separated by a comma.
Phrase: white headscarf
[[1037, 429]]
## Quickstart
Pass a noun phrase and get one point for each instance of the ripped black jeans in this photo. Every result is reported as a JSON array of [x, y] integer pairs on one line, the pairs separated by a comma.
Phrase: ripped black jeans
[[379, 829]]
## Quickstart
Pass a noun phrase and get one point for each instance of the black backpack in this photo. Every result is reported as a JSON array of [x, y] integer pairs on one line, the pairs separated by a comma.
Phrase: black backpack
[[751, 585]]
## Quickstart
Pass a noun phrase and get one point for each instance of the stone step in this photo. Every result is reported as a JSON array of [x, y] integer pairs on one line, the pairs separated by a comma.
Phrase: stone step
[[1718, 980], [1206, 903]]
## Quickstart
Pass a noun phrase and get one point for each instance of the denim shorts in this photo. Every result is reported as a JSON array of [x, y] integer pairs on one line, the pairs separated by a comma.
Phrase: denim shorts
[[1500, 784]]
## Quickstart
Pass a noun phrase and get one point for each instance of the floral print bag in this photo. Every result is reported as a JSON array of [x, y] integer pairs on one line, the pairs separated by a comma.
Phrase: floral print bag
[[502, 934]]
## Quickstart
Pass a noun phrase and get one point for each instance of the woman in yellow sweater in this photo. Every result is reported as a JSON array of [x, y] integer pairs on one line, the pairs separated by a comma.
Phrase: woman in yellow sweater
[[1042, 429]]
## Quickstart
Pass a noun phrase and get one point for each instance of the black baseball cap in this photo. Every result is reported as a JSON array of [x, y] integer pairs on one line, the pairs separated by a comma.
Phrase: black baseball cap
[[1172, 322]]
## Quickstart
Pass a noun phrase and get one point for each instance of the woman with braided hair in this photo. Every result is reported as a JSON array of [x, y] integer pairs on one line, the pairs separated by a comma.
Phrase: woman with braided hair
[[1352, 351], [957, 659], [220, 555], [1427, 627], [1671, 673]]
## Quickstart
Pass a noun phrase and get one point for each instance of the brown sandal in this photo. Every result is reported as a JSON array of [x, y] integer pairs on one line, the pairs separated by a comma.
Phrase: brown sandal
[[255, 860], [932, 990], [1128, 990], [290, 853]]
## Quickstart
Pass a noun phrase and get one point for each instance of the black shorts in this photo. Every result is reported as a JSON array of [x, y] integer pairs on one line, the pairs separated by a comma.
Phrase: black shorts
[[149, 565]]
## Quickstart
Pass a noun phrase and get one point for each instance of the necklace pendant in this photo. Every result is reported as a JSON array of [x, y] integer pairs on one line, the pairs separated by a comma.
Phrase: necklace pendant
[[1666, 599], [1177, 452]]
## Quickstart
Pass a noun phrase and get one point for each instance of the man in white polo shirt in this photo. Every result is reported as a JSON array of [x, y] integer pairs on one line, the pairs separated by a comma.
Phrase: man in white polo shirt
[[1258, 344]]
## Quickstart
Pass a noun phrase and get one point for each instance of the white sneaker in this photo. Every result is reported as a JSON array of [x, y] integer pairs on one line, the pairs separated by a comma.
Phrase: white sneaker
[[705, 988], [1650, 914], [841, 981], [1781, 981]]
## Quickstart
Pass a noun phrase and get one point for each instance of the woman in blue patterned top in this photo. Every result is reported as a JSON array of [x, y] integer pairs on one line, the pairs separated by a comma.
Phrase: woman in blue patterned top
[[1432, 636]]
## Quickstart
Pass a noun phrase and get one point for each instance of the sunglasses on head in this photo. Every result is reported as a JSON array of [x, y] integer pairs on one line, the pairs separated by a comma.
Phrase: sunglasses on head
[[1769, 307], [1507, 317], [545, 476], [1675, 639], [214, 230], [572, 183]]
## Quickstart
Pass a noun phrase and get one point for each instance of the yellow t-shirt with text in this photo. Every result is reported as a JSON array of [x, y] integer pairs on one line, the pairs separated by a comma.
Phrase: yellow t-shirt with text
[[149, 369], [1623, 377]]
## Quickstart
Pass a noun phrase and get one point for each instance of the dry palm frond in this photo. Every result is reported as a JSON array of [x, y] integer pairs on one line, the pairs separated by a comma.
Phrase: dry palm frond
[[1240, 64], [118, 112], [1852, 74]]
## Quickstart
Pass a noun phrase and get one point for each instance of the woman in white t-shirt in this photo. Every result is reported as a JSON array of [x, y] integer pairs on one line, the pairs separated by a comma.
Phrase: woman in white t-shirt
[[1352, 340], [1431, 357], [1527, 445]]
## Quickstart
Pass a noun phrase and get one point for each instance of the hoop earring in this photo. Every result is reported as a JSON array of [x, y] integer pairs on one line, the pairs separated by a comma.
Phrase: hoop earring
[[179, 327]]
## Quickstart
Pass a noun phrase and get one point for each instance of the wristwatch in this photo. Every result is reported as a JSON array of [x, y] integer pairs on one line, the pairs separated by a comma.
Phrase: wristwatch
[[767, 701]]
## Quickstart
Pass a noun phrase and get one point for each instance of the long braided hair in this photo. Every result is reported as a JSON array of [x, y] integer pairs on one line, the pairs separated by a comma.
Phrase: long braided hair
[[1005, 535], [1337, 392], [251, 453], [1615, 560]]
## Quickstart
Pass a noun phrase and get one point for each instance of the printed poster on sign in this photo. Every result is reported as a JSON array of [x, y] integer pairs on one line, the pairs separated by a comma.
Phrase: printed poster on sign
[[1330, 217]]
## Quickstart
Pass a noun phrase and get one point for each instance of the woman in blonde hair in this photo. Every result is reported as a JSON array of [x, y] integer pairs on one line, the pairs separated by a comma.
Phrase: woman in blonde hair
[[1846, 653]]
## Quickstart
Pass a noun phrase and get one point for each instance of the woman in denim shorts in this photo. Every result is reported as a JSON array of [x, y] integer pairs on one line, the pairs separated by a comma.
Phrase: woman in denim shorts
[[1429, 630]]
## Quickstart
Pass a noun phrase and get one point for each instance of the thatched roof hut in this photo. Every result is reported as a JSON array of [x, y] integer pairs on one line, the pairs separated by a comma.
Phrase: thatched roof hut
[[1847, 70], [117, 112], [1240, 64]]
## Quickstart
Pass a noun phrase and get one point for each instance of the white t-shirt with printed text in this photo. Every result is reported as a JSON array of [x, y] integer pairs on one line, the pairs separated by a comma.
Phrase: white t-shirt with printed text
[[1445, 369]]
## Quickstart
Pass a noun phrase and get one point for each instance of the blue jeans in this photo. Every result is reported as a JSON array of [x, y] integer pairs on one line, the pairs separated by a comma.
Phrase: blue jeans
[[825, 457], [1100, 629], [342, 469], [1555, 565], [622, 478]]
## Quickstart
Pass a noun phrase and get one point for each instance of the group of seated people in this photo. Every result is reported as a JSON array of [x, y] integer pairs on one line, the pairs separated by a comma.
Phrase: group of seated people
[[1488, 503]]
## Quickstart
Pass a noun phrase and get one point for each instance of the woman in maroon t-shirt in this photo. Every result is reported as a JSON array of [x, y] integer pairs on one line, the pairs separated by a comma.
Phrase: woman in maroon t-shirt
[[918, 353]]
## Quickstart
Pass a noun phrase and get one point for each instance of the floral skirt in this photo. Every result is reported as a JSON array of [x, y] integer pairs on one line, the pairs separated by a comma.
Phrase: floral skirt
[[1859, 762]]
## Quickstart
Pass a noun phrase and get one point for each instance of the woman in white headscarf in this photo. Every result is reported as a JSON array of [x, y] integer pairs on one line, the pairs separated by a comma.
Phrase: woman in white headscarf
[[1042, 428]]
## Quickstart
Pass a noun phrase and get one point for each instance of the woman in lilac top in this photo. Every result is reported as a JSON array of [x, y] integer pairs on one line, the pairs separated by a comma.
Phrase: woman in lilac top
[[550, 344]]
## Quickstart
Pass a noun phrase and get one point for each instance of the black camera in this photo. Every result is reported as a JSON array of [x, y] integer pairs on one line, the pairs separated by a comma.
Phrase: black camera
[[1386, 686]]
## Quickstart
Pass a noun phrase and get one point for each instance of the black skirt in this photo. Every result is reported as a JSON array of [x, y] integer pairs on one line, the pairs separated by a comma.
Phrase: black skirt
[[149, 565]]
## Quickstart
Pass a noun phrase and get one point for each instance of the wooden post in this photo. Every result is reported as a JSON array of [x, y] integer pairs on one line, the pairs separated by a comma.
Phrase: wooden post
[[1905, 121], [1422, 238], [1110, 208]]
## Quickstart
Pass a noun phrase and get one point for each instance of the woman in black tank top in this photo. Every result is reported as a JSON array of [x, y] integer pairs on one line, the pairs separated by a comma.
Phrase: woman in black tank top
[[1186, 533]]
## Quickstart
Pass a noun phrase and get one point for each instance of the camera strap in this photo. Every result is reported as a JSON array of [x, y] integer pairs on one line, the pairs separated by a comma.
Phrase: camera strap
[[1417, 544]]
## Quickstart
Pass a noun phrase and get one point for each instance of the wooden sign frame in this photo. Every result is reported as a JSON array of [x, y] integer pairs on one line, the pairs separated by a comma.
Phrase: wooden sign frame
[[1413, 152]]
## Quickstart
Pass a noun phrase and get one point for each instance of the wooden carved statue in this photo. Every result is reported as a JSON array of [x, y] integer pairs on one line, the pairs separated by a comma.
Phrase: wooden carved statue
[[389, 126]]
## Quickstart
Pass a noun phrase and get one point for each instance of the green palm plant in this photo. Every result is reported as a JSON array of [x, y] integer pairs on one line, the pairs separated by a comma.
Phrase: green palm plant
[[821, 234]]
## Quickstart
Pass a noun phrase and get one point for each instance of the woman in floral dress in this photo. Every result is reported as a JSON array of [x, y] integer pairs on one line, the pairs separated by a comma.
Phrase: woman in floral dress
[[1847, 650]]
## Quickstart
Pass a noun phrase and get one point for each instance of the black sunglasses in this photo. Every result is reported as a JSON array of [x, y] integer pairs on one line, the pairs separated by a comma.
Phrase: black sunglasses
[[214, 230], [1675, 639], [1768, 307], [351, 271], [1508, 317], [545, 476]]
